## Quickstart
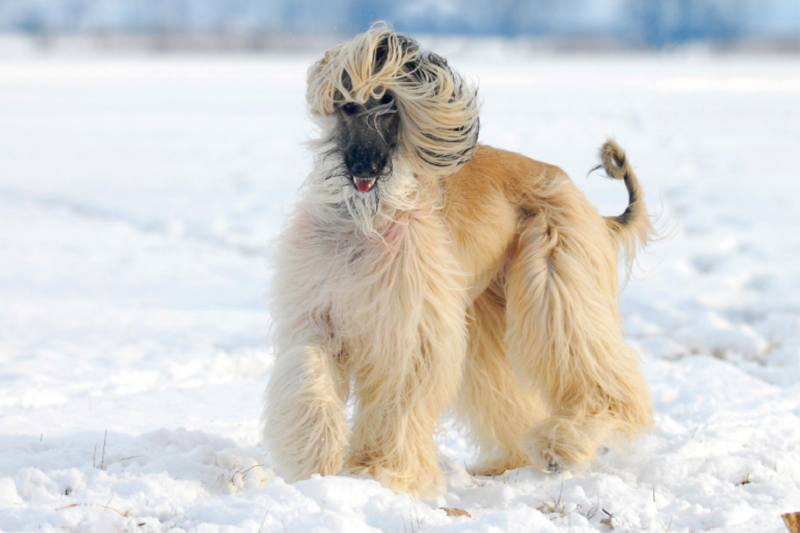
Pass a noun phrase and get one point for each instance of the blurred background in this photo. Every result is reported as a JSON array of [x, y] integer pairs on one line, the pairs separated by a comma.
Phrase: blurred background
[[282, 24]]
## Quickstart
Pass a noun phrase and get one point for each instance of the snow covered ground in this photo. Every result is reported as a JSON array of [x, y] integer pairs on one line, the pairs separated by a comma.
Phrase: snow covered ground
[[138, 198]]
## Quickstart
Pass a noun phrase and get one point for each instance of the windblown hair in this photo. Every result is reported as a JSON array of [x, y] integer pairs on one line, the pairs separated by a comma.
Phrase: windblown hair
[[438, 109]]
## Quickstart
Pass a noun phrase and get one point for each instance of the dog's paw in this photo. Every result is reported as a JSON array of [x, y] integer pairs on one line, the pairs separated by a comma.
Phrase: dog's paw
[[557, 444], [553, 467], [421, 482], [497, 465]]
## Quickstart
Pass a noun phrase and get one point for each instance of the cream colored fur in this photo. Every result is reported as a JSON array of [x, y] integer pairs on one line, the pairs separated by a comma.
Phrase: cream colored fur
[[491, 289]]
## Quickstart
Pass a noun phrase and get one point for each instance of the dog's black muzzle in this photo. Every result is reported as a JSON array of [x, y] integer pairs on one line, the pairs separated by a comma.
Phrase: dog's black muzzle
[[365, 162]]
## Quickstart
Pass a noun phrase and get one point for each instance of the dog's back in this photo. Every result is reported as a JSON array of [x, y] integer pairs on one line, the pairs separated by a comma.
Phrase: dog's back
[[489, 198]]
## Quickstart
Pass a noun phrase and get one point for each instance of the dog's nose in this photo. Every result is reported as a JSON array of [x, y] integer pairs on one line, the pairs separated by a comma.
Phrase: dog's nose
[[365, 161], [363, 168]]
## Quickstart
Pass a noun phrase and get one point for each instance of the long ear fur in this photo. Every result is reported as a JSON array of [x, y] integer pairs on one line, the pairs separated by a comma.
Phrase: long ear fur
[[438, 109]]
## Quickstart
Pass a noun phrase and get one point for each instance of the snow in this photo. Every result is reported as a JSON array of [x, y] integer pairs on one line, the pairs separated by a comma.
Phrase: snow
[[138, 198]]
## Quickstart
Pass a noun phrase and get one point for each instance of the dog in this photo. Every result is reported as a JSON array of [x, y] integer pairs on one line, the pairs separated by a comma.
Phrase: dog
[[422, 271]]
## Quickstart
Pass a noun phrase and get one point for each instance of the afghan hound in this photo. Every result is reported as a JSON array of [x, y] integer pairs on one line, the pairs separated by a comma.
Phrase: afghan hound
[[422, 271]]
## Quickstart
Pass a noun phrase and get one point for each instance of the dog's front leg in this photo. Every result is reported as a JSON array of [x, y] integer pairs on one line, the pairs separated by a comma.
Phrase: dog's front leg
[[409, 365], [304, 418], [393, 437], [398, 414]]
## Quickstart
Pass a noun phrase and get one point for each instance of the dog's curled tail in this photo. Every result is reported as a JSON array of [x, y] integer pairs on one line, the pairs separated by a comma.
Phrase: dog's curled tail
[[633, 227]]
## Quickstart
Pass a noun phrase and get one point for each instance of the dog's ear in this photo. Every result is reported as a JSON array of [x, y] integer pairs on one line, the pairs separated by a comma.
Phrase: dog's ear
[[320, 92], [440, 115]]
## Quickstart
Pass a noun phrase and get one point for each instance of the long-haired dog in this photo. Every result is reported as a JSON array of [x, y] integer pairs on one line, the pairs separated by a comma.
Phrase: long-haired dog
[[422, 271]]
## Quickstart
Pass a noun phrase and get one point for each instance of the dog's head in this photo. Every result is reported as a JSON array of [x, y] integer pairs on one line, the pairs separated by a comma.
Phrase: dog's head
[[391, 99]]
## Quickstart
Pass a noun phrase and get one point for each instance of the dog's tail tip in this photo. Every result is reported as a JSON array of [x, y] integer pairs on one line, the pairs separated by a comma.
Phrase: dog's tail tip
[[613, 159], [633, 227]]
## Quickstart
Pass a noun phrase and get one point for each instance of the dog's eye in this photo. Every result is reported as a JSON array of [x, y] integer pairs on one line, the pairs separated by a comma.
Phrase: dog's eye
[[386, 99], [349, 108]]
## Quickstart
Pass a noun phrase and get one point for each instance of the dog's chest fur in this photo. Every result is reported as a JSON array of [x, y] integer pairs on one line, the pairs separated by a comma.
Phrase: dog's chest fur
[[373, 288]]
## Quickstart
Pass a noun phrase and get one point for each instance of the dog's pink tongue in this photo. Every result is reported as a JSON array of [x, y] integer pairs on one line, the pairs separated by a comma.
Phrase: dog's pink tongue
[[364, 185]]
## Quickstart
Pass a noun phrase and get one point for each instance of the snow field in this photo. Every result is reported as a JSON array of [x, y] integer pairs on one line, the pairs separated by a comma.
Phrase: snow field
[[138, 198]]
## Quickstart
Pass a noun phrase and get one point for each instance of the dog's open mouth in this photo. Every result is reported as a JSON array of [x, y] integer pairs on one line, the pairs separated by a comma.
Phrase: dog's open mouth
[[364, 185]]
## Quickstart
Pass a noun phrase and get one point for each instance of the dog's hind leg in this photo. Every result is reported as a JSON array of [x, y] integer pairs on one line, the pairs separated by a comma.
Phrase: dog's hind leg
[[492, 403], [564, 332], [304, 418]]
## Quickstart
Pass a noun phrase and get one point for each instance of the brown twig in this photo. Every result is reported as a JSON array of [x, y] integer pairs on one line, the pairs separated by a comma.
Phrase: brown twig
[[103, 459], [93, 505], [265, 518]]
